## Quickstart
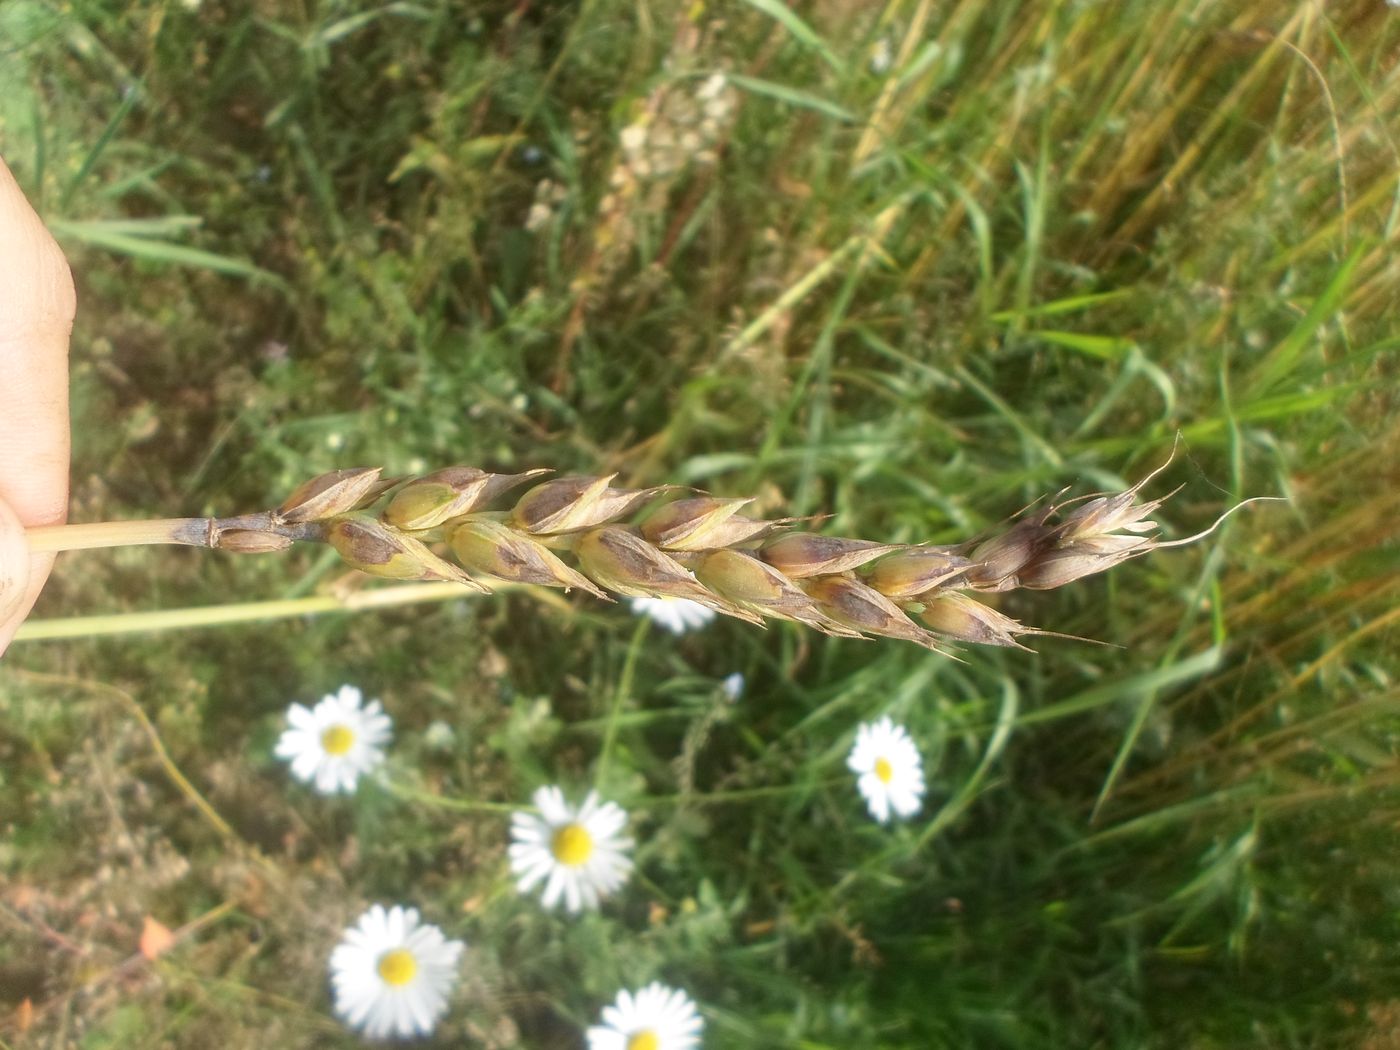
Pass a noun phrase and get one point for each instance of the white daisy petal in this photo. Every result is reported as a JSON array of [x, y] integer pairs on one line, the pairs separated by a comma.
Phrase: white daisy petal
[[531, 870], [657, 1017], [906, 803], [304, 766], [292, 742], [300, 717], [391, 974], [579, 854], [613, 1017], [677, 615], [554, 887], [606, 822], [733, 686], [573, 894], [372, 927], [335, 743], [358, 1014], [888, 769], [550, 802], [416, 1016]]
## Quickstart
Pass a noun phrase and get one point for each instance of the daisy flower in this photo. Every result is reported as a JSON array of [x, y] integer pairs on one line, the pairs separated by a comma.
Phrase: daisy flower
[[336, 741], [656, 1018], [677, 615], [391, 974], [890, 770], [579, 854], [733, 686]]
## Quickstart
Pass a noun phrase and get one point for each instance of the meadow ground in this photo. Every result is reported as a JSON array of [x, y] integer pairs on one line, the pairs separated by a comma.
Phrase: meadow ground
[[909, 264]]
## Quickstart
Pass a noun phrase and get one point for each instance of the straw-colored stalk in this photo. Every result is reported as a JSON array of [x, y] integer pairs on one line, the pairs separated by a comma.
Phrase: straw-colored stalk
[[583, 533]]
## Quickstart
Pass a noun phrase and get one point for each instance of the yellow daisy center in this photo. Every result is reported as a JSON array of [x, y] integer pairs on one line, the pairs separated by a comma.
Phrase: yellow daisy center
[[572, 845], [398, 967], [884, 770], [644, 1040], [337, 740]]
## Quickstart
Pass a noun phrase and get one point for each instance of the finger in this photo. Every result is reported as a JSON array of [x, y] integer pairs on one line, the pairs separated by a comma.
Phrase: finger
[[37, 303], [36, 315], [16, 594]]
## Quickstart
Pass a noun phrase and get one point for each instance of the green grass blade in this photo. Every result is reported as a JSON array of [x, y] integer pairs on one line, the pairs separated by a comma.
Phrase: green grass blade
[[98, 234], [1144, 684], [1103, 347], [1012, 417], [792, 96], [1069, 305], [1283, 358], [785, 16], [342, 28], [103, 140], [967, 794]]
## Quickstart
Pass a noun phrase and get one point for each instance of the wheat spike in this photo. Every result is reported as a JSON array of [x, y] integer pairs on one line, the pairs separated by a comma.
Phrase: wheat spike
[[584, 533], [635, 542]]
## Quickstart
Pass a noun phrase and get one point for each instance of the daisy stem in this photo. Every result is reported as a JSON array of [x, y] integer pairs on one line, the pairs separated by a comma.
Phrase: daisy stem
[[407, 793], [624, 689], [701, 798], [167, 763]]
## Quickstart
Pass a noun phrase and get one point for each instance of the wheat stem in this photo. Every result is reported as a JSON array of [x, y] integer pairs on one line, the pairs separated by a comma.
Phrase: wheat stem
[[48, 538], [187, 532]]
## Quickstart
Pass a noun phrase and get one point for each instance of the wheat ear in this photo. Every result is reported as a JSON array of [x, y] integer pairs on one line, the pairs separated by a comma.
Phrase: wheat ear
[[587, 534]]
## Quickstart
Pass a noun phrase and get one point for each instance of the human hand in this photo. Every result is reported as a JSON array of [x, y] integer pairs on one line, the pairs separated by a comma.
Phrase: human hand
[[37, 303]]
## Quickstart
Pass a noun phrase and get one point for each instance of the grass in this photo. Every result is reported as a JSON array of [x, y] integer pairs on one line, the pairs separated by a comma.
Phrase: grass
[[939, 259]]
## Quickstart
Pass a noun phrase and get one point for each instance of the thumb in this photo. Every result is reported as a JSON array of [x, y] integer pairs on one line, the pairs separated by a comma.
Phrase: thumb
[[15, 598]]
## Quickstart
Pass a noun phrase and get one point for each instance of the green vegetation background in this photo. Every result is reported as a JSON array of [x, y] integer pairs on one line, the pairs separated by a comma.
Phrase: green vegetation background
[[913, 265]]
